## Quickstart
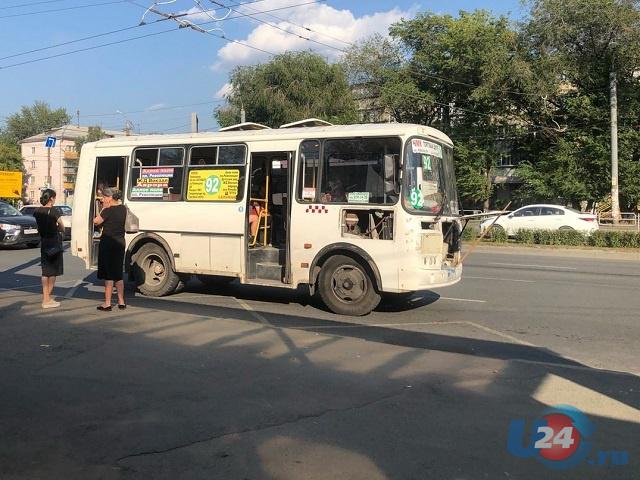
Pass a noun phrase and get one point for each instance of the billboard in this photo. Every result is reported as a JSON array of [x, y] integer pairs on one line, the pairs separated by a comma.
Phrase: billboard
[[10, 184]]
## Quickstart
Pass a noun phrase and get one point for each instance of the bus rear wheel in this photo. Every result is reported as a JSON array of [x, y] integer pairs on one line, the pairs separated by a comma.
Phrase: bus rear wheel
[[346, 287], [153, 271]]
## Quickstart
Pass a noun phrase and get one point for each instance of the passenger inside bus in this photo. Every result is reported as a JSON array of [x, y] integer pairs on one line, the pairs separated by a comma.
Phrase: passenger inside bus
[[336, 192]]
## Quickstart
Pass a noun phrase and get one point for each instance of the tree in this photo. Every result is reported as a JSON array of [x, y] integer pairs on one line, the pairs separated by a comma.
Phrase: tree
[[581, 42], [290, 87], [93, 135], [455, 72], [10, 158], [33, 120]]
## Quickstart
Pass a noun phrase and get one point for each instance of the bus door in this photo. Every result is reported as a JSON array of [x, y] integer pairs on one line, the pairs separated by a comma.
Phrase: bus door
[[268, 217], [110, 172]]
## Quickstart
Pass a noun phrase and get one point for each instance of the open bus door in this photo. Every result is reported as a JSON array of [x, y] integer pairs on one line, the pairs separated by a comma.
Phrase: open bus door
[[109, 172], [268, 217]]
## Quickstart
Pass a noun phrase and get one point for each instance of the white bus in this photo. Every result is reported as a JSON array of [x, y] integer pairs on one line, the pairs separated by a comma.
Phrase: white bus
[[352, 211]]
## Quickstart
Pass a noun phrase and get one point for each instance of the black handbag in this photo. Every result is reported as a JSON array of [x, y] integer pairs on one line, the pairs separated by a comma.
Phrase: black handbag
[[54, 250]]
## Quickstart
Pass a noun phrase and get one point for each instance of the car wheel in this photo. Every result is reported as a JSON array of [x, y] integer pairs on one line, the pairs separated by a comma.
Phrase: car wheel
[[346, 287], [566, 228]]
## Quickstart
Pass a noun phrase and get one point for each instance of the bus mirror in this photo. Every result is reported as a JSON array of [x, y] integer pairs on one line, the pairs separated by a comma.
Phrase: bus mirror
[[390, 174]]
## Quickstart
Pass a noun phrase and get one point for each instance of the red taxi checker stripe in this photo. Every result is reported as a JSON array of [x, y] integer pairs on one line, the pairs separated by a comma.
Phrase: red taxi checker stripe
[[317, 209]]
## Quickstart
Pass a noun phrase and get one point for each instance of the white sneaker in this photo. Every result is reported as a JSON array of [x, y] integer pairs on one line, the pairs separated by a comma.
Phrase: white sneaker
[[51, 304]]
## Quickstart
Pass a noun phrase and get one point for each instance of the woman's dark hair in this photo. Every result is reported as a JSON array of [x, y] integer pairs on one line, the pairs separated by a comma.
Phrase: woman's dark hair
[[46, 195], [117, 195]]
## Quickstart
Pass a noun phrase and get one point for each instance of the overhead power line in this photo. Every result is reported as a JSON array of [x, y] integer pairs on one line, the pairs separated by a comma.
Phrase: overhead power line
[[21, 5], [93, 115], [166, 17], [58, 10]]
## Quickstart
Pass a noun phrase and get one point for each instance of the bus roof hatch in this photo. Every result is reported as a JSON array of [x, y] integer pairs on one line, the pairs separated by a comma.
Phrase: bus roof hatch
[[244, 126], [307, 122]]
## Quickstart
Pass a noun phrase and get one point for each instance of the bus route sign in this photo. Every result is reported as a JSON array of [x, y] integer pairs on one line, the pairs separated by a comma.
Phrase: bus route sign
[[206, 185]]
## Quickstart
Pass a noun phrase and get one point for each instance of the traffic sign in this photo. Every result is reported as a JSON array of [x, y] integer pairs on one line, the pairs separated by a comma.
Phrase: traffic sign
[[50, 142]]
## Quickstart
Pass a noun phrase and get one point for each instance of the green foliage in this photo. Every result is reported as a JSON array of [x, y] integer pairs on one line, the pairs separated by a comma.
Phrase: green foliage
[[10, 158], [524, 235], [32, 120], [470, 233], [93, 135], [599, 238], [290, 87], [498, 235]]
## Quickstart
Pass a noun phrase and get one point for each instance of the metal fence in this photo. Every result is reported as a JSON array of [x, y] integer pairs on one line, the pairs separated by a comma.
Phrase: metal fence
[[627, 221]]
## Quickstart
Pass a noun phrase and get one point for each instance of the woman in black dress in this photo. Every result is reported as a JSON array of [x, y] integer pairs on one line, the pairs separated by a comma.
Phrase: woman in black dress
[[111, 250], [50, 228]]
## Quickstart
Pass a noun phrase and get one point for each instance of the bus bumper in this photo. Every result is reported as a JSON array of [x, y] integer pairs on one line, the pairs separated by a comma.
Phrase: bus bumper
[[415, 279]]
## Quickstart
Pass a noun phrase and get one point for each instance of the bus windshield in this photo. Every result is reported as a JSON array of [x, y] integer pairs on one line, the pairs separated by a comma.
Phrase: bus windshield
[[429, 185]]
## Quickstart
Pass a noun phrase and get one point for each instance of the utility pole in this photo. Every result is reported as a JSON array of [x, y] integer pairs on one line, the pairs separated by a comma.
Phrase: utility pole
[[613, 100], [194, 122]]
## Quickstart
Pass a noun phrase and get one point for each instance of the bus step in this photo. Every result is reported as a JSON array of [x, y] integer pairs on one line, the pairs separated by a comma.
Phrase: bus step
[[269, 271]]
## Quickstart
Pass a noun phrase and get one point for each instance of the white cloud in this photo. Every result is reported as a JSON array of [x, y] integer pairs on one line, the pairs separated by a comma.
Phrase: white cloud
[[156, 106], [224, 91], [333, 27]]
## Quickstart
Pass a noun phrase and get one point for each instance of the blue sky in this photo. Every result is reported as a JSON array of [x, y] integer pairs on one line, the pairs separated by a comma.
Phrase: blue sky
[[148, 77]]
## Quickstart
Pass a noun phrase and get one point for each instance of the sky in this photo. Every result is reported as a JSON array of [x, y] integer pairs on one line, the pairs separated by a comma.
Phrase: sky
[[156, 81]]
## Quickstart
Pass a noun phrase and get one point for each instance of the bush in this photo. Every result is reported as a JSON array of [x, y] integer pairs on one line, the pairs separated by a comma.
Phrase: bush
[[498, 235], [524, 236], [469, 233]]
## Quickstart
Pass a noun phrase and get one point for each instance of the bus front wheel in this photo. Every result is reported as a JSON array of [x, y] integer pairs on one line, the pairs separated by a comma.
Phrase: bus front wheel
[[346, 287], [153, 271]]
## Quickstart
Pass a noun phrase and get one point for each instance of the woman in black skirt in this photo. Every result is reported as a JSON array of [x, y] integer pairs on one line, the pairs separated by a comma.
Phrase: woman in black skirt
[[50, 228], [111, 250]]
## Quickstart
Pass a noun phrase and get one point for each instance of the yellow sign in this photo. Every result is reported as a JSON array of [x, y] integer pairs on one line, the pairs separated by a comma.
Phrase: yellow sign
[[10, 184], [206, 185]]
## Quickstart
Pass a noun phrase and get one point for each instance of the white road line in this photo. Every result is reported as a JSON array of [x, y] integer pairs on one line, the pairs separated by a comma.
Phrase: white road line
[[253, 313], [534, 266], [73, 289], [499, 279], [39, 285], [473, 300], [500, 334]]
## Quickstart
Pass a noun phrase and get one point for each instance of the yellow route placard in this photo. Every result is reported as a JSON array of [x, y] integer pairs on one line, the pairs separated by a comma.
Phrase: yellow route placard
[[10, 184], [206, 185]]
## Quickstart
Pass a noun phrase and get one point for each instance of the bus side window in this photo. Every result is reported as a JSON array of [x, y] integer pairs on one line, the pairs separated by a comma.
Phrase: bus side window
[[309, 163]]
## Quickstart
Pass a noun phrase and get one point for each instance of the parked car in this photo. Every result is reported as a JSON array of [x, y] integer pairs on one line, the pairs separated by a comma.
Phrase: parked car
[[543, 217], [65, 214], [16, 228]]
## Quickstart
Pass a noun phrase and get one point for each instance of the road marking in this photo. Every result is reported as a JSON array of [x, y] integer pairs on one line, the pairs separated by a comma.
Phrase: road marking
[[258, 316], [473, 300], [73, 289], [499, 279], [500, 334], [534, 266], [39, 285]]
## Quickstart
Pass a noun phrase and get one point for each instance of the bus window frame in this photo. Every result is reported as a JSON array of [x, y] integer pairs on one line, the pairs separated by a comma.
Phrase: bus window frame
[[298, 198], [132, 165], [217, 166], [321, 170]]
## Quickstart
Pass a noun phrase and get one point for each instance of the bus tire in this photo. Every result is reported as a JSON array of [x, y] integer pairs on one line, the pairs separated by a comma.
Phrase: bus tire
[[346, 287], [153, 272]]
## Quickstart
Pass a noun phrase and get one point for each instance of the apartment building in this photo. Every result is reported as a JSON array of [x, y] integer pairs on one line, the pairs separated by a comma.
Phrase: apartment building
[[54, 167]]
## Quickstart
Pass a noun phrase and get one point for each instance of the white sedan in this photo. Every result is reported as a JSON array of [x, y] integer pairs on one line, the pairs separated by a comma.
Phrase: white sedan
[[543, 217]]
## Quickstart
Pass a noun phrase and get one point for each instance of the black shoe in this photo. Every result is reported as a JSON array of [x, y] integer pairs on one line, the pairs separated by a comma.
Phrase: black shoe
[[123, 306], [104, 309]]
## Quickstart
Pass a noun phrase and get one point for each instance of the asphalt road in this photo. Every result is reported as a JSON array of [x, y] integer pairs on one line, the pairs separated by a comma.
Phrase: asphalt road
[[256, 383]]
